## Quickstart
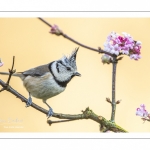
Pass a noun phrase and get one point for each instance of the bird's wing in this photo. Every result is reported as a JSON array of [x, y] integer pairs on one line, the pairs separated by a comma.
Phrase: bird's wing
[[37, 71]]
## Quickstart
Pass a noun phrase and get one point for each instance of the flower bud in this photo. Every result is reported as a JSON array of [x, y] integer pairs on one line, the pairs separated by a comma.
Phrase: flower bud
[[118, 101], [108, 100], [138, 43], [55, 30], [106, 59]]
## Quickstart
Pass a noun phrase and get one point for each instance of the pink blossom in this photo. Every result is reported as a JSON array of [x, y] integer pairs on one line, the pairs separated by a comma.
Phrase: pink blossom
[[135, 56], [122, 39], [142, 111], [135, 52], [126, 34], [55, 30], [126, 52], [1, 63], [108, 47], [112, 36], [116, 44], [116, 49]]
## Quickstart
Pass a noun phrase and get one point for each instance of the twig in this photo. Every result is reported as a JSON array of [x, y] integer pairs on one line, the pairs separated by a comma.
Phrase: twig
[[50, 122], [11, 71], [90, 48], [45, 22], [113, 104], [71, 39]]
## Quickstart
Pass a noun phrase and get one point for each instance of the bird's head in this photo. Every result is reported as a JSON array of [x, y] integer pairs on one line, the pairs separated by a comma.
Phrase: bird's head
[[65, 68]]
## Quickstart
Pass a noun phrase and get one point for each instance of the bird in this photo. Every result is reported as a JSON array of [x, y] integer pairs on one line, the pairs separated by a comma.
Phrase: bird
[[49, 80]]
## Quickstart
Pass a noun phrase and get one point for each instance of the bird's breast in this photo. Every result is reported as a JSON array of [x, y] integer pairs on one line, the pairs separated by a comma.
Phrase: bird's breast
[[43, 87]]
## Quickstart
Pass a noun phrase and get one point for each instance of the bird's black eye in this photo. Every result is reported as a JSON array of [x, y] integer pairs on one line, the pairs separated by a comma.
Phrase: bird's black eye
[[68, 68]]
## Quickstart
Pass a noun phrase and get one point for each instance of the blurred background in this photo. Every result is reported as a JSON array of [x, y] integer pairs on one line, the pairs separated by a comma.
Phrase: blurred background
[[29, 40]]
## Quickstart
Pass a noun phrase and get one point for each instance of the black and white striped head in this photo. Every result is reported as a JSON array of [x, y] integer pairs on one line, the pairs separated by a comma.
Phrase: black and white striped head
[[65, 68]]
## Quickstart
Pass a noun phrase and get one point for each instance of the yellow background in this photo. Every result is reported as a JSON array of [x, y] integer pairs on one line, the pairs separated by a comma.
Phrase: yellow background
[[29, 40]]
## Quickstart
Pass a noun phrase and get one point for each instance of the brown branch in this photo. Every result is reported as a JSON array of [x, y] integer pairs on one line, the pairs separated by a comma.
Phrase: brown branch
[[113, 103], [90, 48], [82, 45], [45, 22], [11, 71], [50, 122], [87, 114]]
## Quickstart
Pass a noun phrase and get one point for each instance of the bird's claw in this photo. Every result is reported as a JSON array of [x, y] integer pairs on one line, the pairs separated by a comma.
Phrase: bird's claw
[[29, 102], [50, 113]]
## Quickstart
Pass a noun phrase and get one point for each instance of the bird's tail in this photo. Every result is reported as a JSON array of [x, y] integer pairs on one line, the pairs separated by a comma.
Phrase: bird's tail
[[15, 74]]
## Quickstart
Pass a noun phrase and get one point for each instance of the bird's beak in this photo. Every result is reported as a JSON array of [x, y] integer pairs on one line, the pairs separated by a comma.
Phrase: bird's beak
[[77, 74]]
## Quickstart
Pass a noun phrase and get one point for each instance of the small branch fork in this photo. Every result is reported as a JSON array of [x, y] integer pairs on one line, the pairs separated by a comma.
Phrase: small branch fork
[[11, 71], [86, 114]]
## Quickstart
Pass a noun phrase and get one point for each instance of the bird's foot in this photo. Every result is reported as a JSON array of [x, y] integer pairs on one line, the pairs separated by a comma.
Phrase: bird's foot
[[29, 102], [50, 113]]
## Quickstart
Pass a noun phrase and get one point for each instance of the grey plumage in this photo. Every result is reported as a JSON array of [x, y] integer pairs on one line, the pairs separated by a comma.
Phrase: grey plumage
[[38, 71]]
